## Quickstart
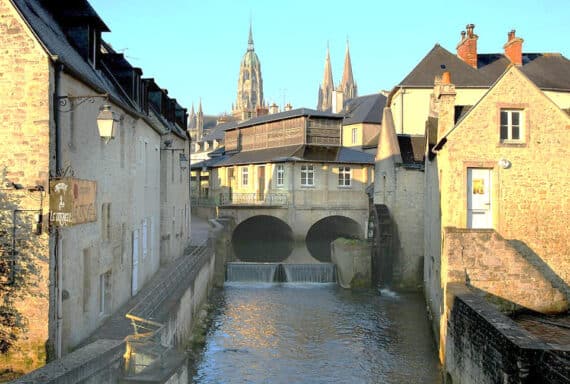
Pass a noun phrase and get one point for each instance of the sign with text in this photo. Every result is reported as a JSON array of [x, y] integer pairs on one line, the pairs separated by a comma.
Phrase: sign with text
[[72, 201]]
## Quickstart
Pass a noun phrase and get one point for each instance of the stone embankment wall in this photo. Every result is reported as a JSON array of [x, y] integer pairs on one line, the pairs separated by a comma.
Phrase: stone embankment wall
[[510, 277], [353, 263], [172, 304], [484, 346]]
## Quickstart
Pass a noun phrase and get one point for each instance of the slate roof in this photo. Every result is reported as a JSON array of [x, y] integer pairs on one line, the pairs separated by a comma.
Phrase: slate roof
[[287, 115], [299, 153], [55, 42], [364, 109], [217, 132], [412, 149], [549, 71]]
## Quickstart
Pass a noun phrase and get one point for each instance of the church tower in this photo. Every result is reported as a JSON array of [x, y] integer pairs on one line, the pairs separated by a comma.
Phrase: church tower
[[327, 87], [347, 85], [250, 84]]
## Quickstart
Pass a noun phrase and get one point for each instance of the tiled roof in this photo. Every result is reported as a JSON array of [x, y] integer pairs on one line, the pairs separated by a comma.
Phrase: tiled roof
[[300, 153], [364, 109], [546, 70]]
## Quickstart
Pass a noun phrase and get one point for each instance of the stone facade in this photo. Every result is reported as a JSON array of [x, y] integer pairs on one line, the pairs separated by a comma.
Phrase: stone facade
[[83, 270], [529, 189], [24, 140]]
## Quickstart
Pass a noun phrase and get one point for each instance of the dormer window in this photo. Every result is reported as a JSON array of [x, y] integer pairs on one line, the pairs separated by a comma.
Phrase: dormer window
[[93, 45], [512, 126]]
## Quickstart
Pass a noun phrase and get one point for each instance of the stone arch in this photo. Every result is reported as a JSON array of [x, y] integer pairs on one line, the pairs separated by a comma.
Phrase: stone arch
[[262, 238], [328, 229]]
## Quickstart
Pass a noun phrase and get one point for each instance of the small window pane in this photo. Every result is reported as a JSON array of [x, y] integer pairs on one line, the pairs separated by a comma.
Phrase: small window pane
[[515, 118], [504, 118], [504, 132], [516, 133]]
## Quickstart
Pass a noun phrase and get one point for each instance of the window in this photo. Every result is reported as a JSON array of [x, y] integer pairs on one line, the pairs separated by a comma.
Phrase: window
[[244, 176], [307, 175], [280, 175], [344, 176], [511, 125], [104, 292], [354, 135], [106, 222]]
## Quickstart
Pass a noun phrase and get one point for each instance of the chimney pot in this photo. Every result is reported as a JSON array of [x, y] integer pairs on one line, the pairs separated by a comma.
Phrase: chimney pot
[[446, 78], [469, 28], [467, 47]]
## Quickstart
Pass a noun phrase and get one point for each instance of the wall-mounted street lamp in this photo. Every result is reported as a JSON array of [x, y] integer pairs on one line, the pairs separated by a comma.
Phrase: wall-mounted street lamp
[[107, 120]]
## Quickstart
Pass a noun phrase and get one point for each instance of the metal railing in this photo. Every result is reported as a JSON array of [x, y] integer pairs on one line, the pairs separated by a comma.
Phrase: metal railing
[[249, 199], [147, 345]]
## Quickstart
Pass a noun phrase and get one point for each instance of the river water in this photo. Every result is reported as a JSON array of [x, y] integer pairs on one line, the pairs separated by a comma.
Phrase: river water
[[316, 333]]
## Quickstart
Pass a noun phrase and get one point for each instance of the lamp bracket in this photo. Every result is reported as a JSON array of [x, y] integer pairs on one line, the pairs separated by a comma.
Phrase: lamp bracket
[[68, 103]]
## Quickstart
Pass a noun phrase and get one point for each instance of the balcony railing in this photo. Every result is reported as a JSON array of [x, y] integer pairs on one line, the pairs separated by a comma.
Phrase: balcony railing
[[242, 199]]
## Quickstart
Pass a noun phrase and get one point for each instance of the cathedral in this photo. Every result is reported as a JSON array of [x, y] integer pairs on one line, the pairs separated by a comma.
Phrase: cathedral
[[331, 98], [249, 102]]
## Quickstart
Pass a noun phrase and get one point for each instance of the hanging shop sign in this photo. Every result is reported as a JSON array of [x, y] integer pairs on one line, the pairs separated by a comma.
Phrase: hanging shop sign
[[72, 201]]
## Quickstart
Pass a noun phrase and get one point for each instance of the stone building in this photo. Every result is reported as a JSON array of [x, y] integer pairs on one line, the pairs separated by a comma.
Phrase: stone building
[[107, 207], [496, 193], [286, 176], [407, 110]]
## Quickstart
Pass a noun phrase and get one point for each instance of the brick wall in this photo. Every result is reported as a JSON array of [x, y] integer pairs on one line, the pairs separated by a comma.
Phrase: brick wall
[[24, 143]]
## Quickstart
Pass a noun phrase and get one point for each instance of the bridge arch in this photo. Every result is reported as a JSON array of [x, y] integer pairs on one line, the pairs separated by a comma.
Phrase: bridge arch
[[262, 238], [328, 229]]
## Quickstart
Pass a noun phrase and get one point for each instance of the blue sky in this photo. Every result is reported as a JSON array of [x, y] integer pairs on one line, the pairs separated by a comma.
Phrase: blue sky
[[193, 48]]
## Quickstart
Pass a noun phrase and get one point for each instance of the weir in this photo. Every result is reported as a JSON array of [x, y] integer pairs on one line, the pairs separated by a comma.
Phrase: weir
[[280, 272]]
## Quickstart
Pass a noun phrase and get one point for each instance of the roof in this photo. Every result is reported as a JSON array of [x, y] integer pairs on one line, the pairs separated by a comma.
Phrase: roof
[[364, 109], [412, 149], [299, 153], [55, 42], [550, 71], [217, 132], [287, 115]]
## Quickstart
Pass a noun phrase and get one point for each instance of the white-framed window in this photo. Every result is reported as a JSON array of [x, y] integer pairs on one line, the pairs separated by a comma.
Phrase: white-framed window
[[511, 125], [245, 176], [354, 135], [280, 175], [344, 177], [307, 175]]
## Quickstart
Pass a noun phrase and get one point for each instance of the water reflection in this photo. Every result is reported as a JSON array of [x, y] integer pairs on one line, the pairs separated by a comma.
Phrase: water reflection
[[291, 333]]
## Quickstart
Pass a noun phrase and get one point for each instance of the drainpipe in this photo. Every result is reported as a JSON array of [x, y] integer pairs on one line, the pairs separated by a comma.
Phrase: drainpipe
[[57, 262]]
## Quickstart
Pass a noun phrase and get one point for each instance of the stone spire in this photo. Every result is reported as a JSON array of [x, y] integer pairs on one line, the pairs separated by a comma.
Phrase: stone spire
[[200, 121], [347, 84], [250, 84], [327, 86]]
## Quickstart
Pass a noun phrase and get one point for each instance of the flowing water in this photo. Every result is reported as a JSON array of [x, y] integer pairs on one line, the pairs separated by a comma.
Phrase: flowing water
[[316, 333]]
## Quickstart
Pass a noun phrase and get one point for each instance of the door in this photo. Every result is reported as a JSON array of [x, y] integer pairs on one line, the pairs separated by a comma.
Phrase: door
[[135, 275], [260, 183], [479, 192]]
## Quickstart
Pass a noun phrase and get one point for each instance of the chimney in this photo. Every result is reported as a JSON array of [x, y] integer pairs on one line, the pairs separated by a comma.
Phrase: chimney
[[288, 107], [337, 101], [467, 47], [513, 48], [444, 92], [273, 108]]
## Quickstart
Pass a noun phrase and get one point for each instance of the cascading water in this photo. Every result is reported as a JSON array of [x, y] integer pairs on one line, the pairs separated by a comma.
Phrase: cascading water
[[310, 273], [251, 272], [280, 273]]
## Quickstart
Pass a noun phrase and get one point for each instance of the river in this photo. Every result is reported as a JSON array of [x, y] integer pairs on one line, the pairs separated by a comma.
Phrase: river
[[316, 333]]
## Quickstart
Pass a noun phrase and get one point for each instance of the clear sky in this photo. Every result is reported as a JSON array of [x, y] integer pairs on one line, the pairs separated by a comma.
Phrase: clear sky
[[194, 48]]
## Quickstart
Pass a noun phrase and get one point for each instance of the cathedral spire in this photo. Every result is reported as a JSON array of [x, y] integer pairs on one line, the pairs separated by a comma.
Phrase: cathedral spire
[[250, 40], [347, 84], [327, 86]]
